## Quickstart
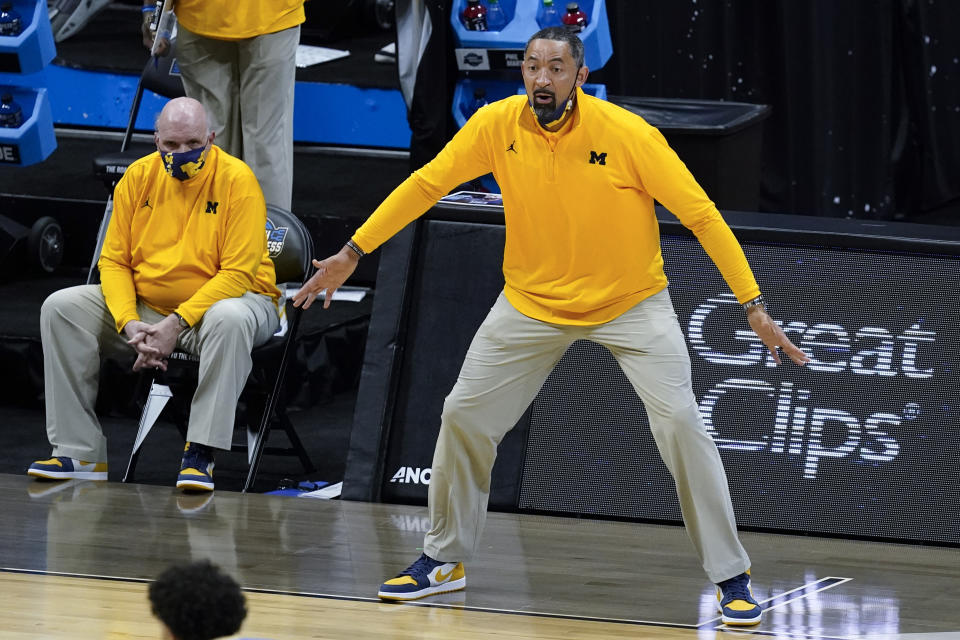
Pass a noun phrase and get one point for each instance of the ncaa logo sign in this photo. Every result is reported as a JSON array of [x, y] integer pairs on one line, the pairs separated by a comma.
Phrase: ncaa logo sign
[[275, 237], [411, 475]]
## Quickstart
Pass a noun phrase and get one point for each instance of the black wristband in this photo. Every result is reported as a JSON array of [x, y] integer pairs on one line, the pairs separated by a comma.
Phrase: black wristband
[[357, 250]]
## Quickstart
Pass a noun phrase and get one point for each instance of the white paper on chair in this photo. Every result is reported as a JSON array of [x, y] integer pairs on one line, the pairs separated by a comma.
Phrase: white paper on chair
[[282, 328], [308, 55]]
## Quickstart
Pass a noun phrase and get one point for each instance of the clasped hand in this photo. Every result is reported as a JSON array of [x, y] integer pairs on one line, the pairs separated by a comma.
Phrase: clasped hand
[[152, 342]]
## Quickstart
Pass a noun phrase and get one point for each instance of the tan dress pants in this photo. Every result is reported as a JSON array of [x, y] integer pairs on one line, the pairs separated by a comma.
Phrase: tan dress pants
[[507, 363], [77, 329], [247, 87]]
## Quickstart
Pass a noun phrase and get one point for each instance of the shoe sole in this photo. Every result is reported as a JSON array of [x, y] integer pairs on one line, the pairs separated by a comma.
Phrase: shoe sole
[[67, 475], [446, 587], [740, 622], [193, 485]]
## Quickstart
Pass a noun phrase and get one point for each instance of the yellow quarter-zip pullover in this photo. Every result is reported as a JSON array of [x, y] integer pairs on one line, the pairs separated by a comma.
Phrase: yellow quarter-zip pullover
[[184, 245], [582, 239], [223, 20]]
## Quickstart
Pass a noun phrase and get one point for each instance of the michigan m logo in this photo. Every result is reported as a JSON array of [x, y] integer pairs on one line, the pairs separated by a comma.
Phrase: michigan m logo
[[598, 158], [212, 206]]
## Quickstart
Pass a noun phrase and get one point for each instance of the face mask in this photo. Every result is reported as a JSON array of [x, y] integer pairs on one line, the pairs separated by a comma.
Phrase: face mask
[[185, 164], [548, 120]]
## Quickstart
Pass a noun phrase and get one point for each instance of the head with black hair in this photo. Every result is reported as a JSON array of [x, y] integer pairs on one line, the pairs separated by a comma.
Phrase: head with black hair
[[197, 601], [552, 70], [560, 34]]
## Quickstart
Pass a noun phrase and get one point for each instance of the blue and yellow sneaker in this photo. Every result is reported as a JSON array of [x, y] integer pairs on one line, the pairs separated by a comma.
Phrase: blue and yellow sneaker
[[196, 469], [424, 577], [64, 468], [737, 606]]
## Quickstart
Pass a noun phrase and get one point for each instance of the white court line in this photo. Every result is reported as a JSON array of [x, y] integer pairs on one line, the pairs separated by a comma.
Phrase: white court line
[[531, 613], [332, 596], [829, 586], [800, 588]]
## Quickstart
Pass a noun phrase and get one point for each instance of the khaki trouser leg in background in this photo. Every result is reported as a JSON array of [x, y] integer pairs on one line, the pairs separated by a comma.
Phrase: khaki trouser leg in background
[[210, 74], [247, 87], [508, 361], [268, 72], [76, 329]]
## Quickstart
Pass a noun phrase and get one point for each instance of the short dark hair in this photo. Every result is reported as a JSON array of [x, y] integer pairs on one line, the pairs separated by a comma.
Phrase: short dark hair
[[562, 35], [197, 601]]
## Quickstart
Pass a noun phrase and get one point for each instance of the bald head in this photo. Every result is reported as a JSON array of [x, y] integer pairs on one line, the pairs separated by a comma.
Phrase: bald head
[[182, 126], [183, 112]]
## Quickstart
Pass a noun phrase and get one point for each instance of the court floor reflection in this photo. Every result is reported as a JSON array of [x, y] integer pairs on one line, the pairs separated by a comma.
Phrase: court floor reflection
[[640, 575]]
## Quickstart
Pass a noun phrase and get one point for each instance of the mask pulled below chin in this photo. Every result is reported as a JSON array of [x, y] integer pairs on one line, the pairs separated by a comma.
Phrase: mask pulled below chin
[[552, 119], [184, 164]]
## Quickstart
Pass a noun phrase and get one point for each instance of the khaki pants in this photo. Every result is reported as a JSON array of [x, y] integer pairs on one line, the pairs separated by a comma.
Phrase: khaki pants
[[247, 87], [507, 363], [77, 329]]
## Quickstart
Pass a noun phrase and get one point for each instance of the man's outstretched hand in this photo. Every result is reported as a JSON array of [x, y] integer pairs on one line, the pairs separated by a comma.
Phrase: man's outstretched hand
[[330, 276], [773, 336]]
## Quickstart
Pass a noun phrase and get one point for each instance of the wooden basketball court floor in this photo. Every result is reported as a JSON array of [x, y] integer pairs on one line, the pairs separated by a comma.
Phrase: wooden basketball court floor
[[75, 558]]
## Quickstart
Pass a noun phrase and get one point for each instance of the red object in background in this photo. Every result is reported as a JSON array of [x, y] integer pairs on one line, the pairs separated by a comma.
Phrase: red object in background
[[574, 19], [475, 16]]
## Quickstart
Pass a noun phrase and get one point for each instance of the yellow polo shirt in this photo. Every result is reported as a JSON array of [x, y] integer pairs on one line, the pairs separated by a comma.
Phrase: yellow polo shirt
[[582, 240], [238, 19], [183, 245]]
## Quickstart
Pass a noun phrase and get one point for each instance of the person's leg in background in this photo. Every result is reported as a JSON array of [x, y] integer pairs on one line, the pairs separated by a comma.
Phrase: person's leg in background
[[428, 75], [210, 73], [267, 67]]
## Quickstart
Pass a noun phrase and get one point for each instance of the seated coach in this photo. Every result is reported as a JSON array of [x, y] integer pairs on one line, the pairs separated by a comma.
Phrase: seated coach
[[184, 265]]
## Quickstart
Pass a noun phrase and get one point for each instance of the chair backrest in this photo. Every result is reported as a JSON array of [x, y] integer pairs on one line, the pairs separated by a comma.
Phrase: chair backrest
[[290, 245], [162, 75]]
